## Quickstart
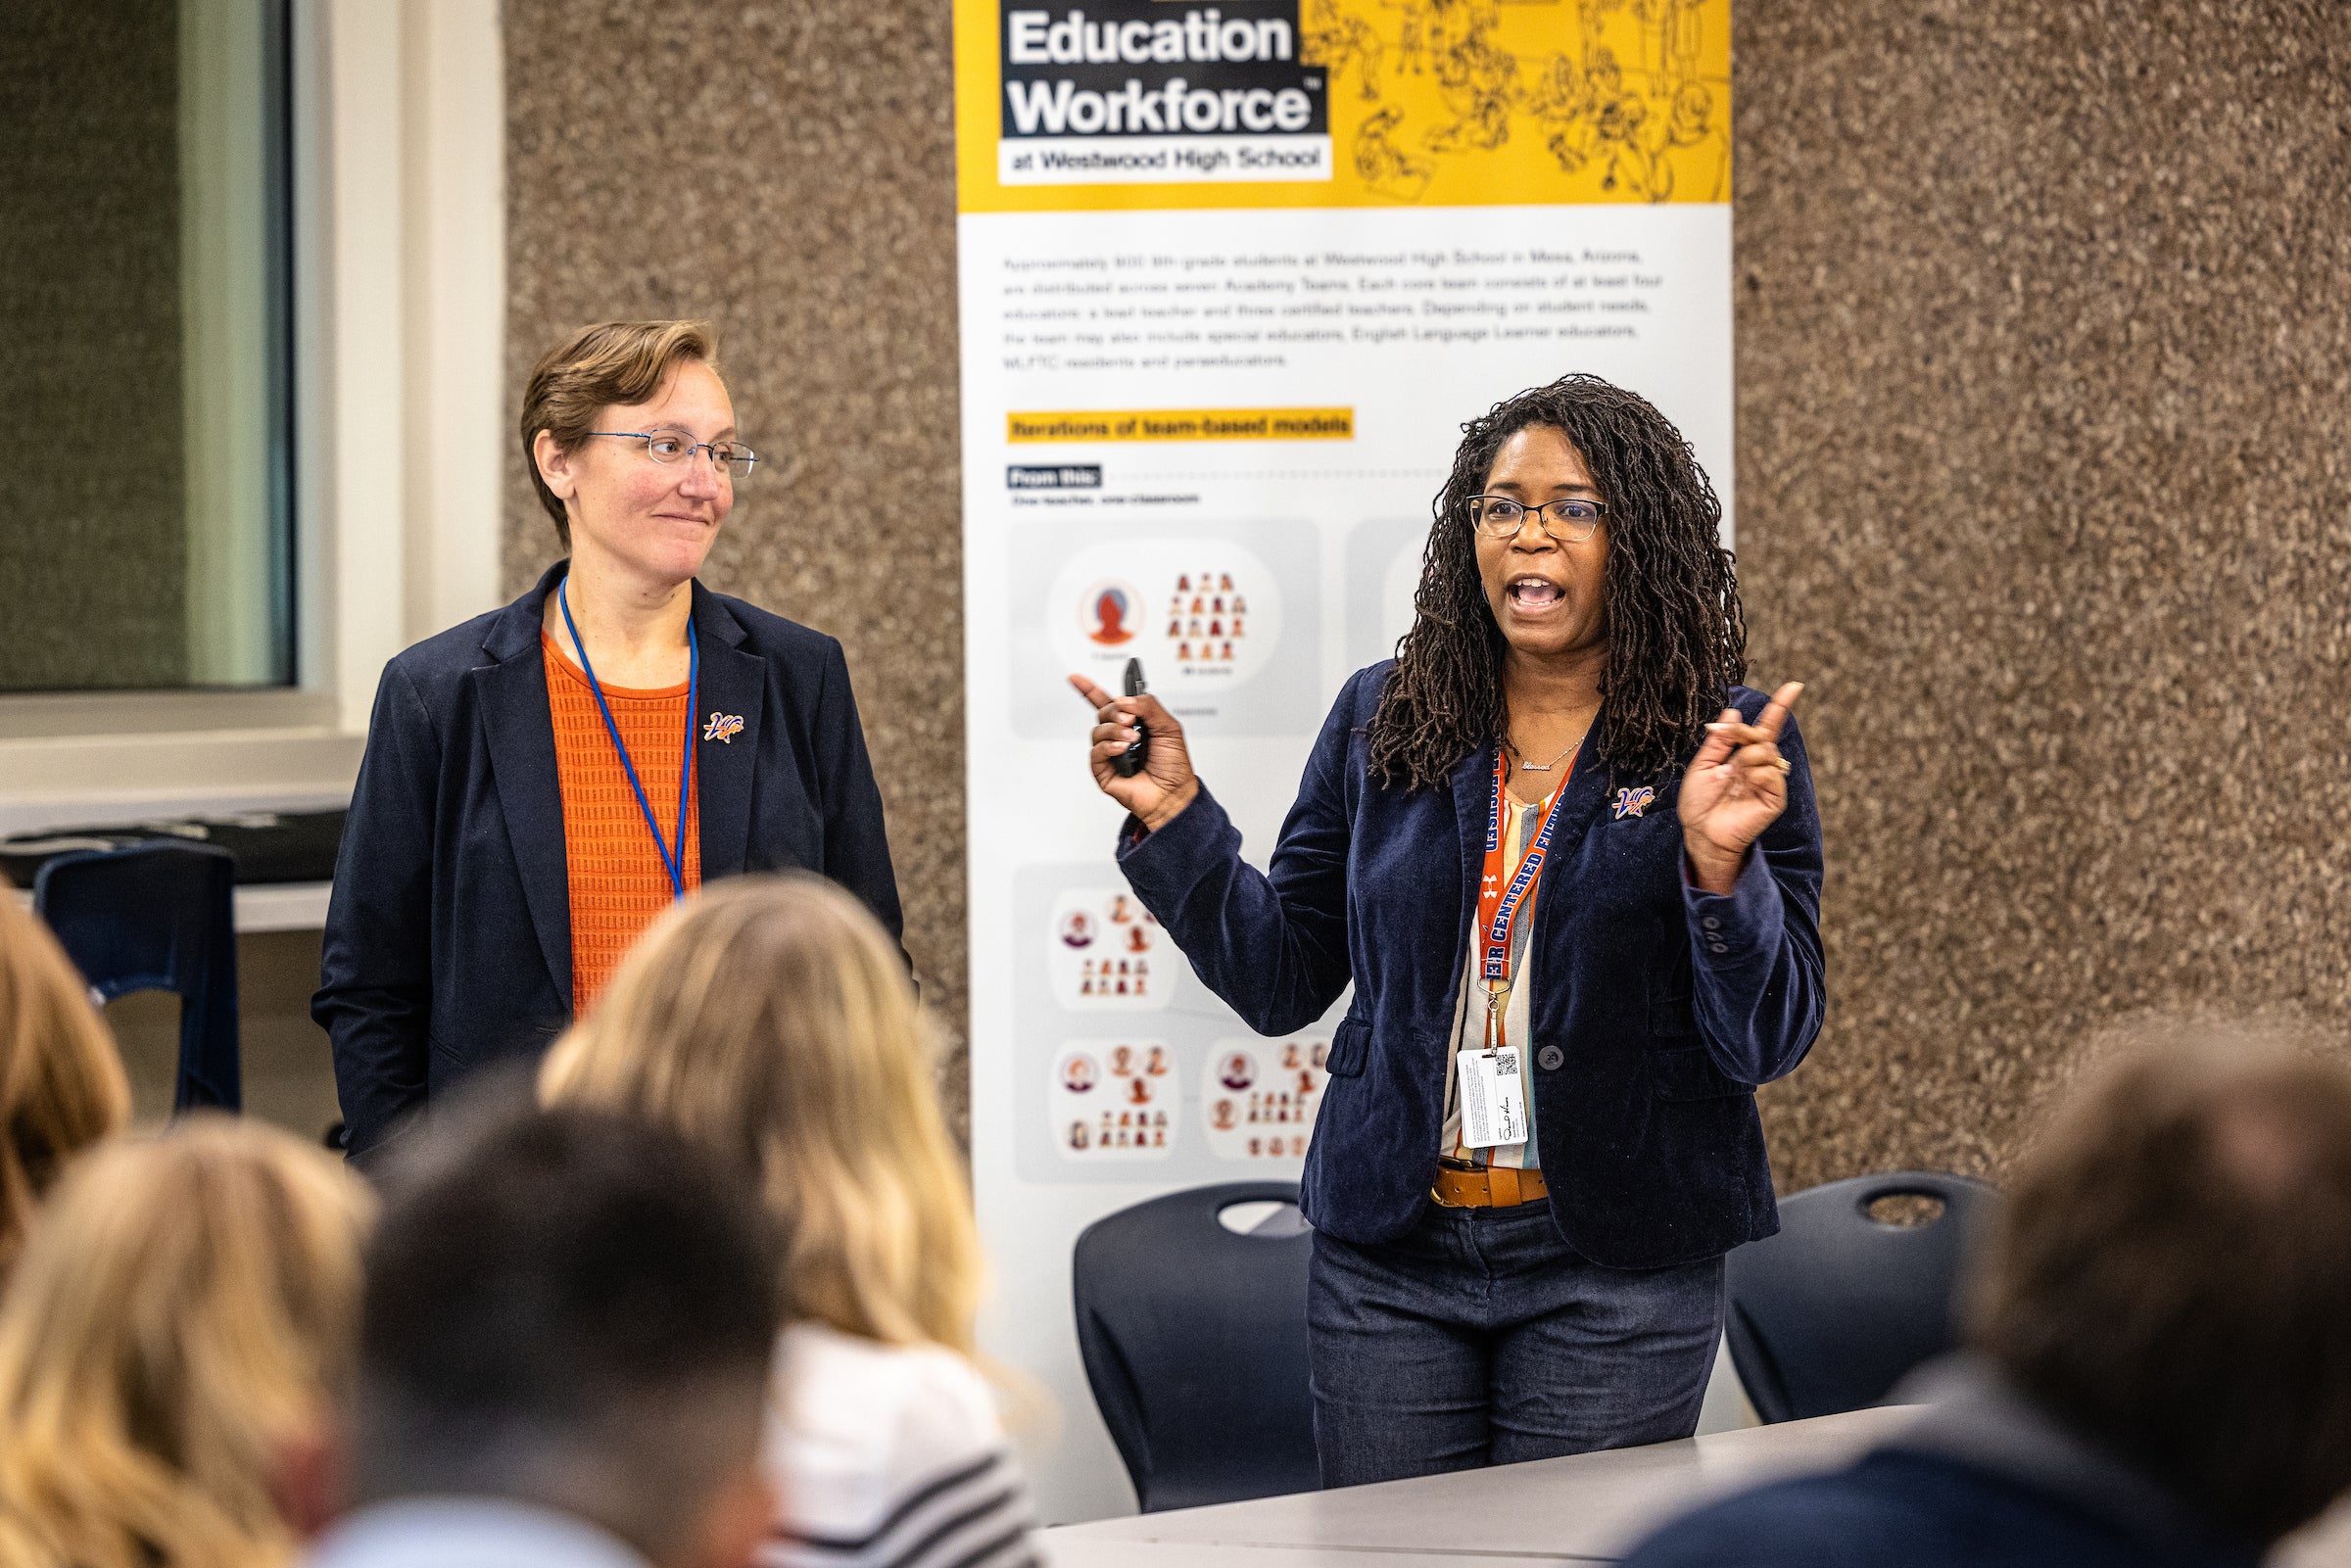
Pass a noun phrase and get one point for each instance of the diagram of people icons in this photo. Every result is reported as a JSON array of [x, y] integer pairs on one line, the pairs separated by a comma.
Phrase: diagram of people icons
[[1205, 612], [1115, 1100], [1159, 1080], [1101, 948], [1259, 1097], [1201, 614]]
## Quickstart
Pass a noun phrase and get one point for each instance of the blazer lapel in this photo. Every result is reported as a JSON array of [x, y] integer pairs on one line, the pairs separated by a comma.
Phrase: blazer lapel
[[727, 741], [519, 734], [1472, 787], [1587, 791], [1473, 784]]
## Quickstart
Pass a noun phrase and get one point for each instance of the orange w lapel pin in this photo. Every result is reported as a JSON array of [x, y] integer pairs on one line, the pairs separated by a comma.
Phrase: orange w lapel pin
[[723, 726]]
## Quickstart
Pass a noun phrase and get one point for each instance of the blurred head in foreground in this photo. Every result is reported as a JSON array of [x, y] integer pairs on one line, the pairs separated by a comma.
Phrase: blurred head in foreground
[[568, 1319], [2160, 1338], [62, 1086], [2173, 1277], [769, 1019], [172, 1342]]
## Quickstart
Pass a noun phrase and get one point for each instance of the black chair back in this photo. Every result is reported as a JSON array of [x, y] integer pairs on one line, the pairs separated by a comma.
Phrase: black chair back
[[1194, 1343], [1834, 1310], [158, 917]]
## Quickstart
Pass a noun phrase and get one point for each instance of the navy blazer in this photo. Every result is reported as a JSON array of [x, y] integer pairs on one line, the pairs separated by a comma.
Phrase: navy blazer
[[448, 935], [1666, 1005]]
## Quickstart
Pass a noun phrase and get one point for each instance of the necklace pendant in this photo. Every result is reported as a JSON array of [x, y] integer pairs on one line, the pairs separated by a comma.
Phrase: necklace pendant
[[1536, 767]]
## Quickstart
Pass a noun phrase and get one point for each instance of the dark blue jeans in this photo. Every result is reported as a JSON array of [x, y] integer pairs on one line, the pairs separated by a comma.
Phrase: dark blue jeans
[[1480, 1337]]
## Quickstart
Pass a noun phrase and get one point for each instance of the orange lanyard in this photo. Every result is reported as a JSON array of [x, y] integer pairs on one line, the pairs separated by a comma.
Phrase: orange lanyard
[[1498, 906]]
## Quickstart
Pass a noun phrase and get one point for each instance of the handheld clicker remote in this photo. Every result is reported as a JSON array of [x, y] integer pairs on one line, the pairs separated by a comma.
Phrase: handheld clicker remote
[[1129, 762]]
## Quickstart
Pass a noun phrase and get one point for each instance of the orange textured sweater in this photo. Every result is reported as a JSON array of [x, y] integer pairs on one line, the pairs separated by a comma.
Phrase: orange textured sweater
[[618, 882]]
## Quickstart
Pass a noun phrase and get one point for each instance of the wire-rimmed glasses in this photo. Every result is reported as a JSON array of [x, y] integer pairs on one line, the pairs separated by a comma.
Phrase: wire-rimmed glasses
[[1569, 521], [729, 457]]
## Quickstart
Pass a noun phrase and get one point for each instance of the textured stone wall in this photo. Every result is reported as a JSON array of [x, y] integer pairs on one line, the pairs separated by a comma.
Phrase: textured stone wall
[[2044, 485], [93, 546], [2045, 396]]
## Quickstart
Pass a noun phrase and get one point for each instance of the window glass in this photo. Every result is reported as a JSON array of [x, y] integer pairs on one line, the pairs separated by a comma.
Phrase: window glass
[[146, 526]]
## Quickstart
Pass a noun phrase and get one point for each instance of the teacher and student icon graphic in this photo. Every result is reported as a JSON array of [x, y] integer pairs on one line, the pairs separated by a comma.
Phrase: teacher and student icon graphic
[[1227, 617], [1121, 1097], [1111, 942], [1205, 614], [1206, 618]]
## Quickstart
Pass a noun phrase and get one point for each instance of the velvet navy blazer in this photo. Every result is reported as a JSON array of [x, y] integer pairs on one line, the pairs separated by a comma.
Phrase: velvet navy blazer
[[1658, 1008], [449, 934]]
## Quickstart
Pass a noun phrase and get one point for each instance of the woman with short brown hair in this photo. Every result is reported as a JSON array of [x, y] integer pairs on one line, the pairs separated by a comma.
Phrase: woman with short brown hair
[[543, 781]]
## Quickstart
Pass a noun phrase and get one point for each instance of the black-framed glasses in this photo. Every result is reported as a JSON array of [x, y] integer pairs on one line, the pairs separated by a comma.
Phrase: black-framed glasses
[[729, 457], [1569, 521]]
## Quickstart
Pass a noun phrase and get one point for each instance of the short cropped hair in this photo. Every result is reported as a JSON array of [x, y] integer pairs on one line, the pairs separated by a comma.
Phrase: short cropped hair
[[596, 367], [570, 1308], [2171, 1278]]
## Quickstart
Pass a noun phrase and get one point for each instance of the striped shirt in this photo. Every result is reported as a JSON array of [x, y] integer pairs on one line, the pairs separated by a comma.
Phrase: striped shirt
[[889, 1457]]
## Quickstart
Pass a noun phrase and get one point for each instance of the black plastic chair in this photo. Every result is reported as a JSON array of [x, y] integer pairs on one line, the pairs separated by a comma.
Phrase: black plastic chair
[[1832, 1312], [1194, 1341], [158, 917]]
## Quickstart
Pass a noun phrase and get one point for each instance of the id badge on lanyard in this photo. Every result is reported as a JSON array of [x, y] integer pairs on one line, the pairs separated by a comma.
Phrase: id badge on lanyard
[[1493, 1097], [1492, 1082]]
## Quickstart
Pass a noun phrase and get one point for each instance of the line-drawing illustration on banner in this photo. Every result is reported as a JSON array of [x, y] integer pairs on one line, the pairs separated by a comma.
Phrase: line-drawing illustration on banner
[[1529, 101], [1232, 277]]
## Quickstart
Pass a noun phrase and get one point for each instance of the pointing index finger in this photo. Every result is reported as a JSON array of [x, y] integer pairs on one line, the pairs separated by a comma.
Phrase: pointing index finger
[[1774, 717], [1094, 696]]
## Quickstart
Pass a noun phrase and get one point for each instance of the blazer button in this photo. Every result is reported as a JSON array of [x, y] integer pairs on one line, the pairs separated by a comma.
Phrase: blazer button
[[1549, 1058]]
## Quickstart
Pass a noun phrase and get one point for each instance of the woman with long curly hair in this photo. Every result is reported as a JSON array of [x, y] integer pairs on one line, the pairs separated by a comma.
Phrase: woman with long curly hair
[[1571, 868]]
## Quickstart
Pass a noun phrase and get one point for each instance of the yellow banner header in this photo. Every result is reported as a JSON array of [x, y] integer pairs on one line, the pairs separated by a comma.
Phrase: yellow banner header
[[1093, 105], [1183, 424]]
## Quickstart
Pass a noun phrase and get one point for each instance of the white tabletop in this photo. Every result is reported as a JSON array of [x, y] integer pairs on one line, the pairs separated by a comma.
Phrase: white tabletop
[[1591, 1507]]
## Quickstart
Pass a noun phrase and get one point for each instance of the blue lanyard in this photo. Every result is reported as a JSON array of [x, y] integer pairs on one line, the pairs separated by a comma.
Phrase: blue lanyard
[[673, 862]]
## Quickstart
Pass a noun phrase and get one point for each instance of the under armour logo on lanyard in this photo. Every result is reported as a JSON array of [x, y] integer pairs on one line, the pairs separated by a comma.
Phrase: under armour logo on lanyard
[[1498, 906]]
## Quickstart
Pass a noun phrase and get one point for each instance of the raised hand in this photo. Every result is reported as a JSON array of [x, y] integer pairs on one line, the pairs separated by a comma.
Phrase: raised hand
[[1736, 786], [1167, 784]]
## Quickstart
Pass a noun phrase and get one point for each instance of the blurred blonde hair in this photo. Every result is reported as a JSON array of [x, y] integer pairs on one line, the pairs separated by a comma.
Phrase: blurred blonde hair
[[184, 1313], [61, 1085], [771, 1020]]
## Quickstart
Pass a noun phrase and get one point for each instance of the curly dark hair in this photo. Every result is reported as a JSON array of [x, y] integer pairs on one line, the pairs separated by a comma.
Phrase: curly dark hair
[[1677, 637]]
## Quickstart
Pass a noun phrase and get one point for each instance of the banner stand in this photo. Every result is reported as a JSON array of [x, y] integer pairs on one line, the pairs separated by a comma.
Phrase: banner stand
[[1231, 278]]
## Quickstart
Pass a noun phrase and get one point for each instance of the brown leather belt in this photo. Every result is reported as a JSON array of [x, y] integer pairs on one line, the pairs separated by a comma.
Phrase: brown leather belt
[[1494, 1187]]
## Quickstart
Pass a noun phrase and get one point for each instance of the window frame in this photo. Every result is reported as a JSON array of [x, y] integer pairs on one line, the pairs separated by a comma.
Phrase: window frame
[[395, 142]]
